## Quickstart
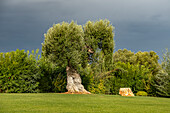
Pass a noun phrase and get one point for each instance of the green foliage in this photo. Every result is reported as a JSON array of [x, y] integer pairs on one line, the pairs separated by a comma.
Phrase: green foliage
[[64, 44], [128, 75], [166, 61], [68, 45], [143, 61], [53, 78], [124, 56], [150, 60], [97, 85], [97, 74], [141, 93], [162, 84], [99, 38], [128, 70], [19, 72], [60, 83], [91, 80], [161, 81]]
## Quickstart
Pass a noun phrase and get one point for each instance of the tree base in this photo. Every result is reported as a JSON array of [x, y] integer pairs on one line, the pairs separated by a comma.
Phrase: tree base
[[74, 85], [76, 93]]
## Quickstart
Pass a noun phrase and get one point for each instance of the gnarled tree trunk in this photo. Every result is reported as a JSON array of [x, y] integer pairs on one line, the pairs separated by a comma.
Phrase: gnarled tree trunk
[[74, 82]]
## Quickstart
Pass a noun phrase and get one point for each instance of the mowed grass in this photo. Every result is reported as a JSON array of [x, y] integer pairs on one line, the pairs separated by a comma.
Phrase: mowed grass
[[74, 103]]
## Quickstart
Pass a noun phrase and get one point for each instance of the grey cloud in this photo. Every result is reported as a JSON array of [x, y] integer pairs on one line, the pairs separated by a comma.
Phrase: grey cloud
[[140, 24]]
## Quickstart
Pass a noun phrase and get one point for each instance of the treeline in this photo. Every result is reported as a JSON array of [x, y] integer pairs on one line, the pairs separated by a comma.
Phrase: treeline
[[26, 72], [87, 51]]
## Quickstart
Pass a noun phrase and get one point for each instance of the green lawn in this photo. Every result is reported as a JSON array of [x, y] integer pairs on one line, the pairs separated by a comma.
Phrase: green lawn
[[73, 103]]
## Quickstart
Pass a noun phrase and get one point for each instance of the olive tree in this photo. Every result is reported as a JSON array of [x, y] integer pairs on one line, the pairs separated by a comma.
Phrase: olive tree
[[71, 46], [63, 45]]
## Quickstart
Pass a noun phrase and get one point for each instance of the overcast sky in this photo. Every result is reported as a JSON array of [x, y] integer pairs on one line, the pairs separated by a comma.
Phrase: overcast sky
[[140, 25]]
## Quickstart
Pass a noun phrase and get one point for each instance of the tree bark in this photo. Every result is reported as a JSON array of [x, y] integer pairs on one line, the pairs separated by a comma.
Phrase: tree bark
[[74, 82]]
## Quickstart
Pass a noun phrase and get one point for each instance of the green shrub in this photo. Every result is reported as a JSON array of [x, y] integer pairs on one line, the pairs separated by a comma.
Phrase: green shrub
[[60, 83], [18, 72], [135, 76], [53, 78], [141, 93]]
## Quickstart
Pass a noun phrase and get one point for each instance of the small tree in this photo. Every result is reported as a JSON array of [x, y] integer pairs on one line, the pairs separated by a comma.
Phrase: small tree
[[162, 83], [162, 79]]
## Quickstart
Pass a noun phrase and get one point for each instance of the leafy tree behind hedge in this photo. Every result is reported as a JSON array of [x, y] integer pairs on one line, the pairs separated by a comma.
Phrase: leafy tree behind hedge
[[150, 60], [19, 72], [127, 75], [124, 56], [147, 59], [140, 69]]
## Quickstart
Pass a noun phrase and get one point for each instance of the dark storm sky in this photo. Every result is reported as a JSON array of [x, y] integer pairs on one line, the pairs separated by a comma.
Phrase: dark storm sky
[[140, 25]]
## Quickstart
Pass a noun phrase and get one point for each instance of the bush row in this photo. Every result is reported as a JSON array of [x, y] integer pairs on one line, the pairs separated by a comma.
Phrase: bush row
[[24, 72]]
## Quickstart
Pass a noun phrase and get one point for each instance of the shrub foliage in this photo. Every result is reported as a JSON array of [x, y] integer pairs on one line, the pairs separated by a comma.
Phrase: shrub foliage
[[19, 72]]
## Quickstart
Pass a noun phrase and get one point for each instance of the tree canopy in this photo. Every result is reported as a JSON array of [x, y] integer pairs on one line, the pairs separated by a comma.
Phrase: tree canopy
[[69, 44], [99, 38], [64, 44]]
